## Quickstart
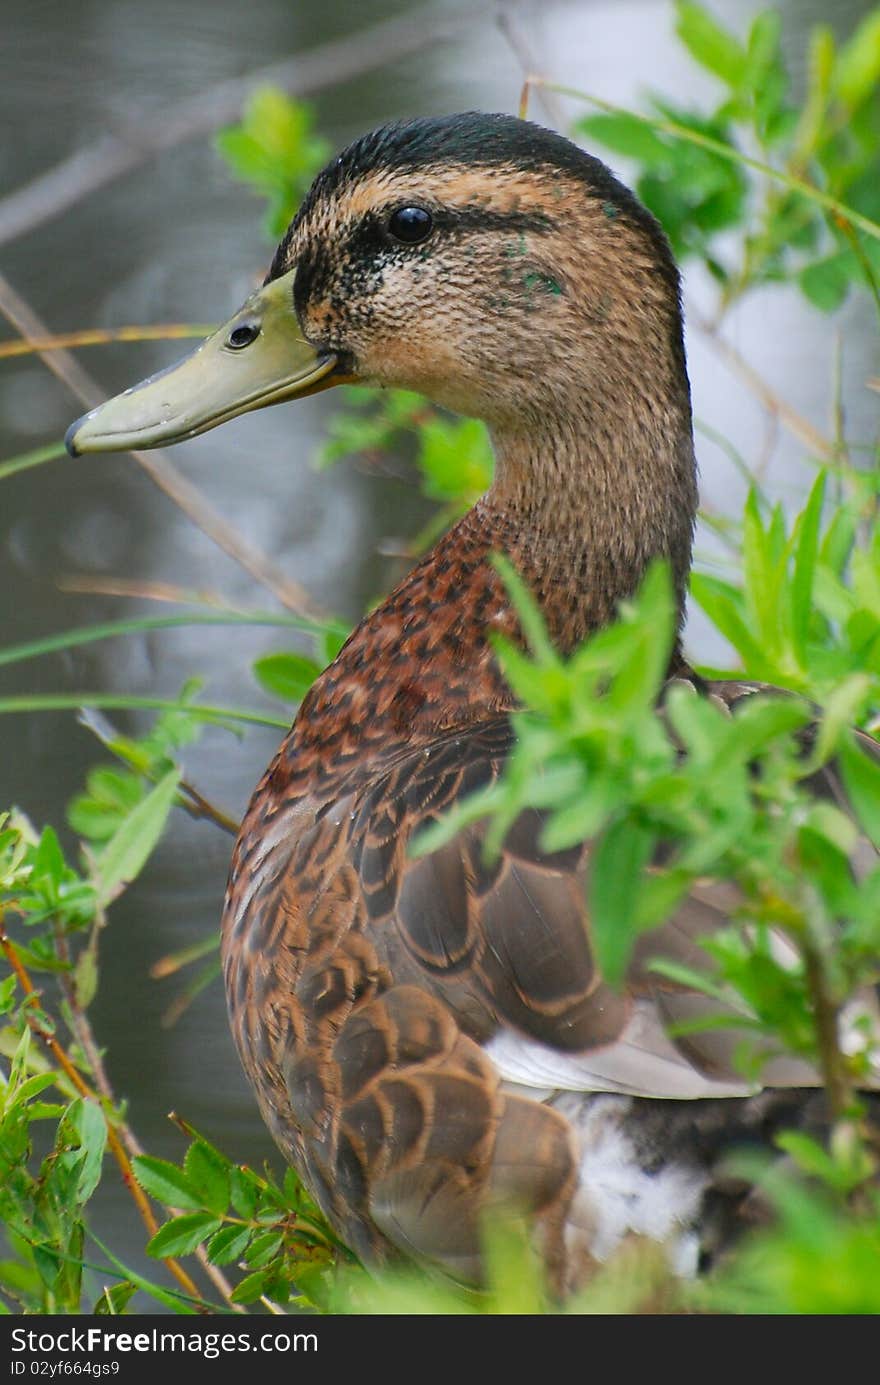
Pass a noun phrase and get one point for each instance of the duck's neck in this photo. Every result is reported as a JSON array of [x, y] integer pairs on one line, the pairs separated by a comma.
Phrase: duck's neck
[[580, 517], [588, 499]]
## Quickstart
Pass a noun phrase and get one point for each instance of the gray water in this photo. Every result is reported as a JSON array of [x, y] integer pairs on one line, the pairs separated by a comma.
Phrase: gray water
[[179, 240]]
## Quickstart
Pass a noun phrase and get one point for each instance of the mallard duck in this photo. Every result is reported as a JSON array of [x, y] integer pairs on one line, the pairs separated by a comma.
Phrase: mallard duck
[[431, 1038]]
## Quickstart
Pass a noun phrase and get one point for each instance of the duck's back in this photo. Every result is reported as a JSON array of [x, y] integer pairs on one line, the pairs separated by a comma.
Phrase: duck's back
[[429, 1035]]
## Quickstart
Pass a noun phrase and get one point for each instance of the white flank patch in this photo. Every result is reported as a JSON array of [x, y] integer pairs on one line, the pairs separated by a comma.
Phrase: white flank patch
[[617, 1198]]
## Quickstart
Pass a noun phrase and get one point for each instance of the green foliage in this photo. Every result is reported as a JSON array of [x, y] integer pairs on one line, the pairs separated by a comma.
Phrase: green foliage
[[114, 796], [276, 152], [698, 189], [288, 675], [50, 914], [804, 612], [728, 798], [42, 1210], [820, 1257], [452, 456], [273, 1233], [693, 192], [672, 789]]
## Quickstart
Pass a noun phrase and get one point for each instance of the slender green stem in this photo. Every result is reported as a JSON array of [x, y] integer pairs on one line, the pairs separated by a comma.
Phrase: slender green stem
[[727, 151], [68, 639], [735, 456], [26, 460], [63, 702]]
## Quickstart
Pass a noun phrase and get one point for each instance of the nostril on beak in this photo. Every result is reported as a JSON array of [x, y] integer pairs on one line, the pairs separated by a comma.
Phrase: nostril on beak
[[243, 335]]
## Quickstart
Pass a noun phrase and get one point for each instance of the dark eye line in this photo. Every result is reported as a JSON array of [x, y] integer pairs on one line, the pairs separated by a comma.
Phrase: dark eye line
[[368, 235], [472, 217]]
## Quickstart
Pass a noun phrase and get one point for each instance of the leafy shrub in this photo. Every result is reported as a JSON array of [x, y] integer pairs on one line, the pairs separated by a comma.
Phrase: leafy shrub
[[761, 188]]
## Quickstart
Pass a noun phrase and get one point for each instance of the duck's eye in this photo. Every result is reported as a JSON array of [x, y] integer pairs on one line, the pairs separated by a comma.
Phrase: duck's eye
[[242, 336], [410, 224]]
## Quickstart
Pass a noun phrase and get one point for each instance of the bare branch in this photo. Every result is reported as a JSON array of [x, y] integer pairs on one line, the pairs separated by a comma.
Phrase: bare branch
[[533, 83], [138, 141], [801, 428]]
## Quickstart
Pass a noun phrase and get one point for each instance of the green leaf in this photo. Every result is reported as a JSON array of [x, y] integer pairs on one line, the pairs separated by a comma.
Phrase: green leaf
[[861, 778], [760, 719], [720, 604], [858, 63], [18, 1067], [243, 1192], [812, 1158], [207, 1174], [286, 675], [85, 975], [628, 135], [713, 47], [48, 858], [165, 1182], [115, 1299], [85, 1124], [276, 151], [228, 1245], [263, 1248], [527, 610], [812, 117], [110, 795], [32, 1086], [806, 553], [250, 1288], [618, 860], [762, 572], [183, 1234], [826, 282], [842, 708], [331, 640], [7, 993], [130, 847]]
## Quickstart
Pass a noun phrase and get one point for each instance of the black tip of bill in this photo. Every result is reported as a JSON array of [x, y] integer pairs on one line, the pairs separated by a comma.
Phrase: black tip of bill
[[70, 436]]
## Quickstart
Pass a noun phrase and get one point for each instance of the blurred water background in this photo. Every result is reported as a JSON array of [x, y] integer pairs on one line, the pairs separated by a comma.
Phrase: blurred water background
[[178, 240]]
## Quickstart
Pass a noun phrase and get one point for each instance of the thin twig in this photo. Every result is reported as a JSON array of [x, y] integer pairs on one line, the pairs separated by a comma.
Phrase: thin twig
[[199, 807], [800, 427], [148, 590], [79, 1083], [157, 466], [838, 1083], [85, 1037], [522, 49], [191, 801], [138, 140], [103, 336]]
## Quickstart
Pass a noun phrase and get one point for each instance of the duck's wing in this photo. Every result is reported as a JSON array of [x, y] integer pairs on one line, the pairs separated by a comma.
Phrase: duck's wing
[[449, 996]]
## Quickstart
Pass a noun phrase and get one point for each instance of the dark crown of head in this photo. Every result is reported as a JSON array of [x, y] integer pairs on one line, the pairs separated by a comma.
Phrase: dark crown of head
[[476, 139]]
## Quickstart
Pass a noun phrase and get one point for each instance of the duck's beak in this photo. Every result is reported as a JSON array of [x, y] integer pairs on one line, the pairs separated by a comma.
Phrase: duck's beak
[[258, 357]]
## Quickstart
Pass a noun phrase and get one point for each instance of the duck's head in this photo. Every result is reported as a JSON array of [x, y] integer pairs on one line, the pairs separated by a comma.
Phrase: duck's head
[[496, 268], [484, 261]]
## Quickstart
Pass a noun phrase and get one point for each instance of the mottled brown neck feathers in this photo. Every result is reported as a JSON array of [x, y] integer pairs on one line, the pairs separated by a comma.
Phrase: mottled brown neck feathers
[[581, 504]]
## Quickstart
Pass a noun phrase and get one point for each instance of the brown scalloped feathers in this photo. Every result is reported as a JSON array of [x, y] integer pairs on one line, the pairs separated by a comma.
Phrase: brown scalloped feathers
[[431, 1039]]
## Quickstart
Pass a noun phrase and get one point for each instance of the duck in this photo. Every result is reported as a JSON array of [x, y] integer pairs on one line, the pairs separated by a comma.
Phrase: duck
[[430, 1037]]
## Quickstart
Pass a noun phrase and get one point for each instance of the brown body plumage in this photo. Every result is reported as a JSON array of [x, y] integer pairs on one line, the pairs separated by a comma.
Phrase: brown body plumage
[[431, 1038]]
